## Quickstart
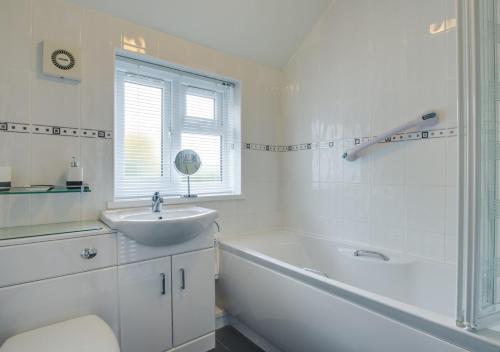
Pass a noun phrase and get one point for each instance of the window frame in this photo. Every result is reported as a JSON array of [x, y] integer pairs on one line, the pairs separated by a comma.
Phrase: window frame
[[175, 122]]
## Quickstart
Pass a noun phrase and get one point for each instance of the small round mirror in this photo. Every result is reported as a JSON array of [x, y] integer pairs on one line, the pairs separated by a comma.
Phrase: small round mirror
[[187, 162]]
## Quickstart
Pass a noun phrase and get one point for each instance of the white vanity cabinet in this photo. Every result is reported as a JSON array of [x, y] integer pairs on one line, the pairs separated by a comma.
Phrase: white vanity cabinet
[[50, 278], [146, 305], [156, 299], [166, 302]]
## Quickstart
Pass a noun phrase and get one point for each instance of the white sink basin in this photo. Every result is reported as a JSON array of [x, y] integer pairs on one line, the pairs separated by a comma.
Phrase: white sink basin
[[168, 227]]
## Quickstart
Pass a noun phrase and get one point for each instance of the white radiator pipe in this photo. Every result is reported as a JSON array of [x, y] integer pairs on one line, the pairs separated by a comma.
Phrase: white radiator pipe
[[422, 122]]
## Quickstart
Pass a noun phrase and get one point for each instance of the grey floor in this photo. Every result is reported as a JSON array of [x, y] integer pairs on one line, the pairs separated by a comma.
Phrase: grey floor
[[228, 339]]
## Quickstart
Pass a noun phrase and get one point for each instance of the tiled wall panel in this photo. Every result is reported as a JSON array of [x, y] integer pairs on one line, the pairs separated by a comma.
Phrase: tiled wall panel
[[366, 67]]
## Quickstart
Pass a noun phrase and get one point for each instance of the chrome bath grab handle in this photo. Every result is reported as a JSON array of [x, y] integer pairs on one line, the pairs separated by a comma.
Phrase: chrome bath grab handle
[[424, 121], [362, 252]]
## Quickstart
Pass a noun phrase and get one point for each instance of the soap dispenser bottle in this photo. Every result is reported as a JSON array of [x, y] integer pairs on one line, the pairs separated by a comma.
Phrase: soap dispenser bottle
[[74, 175], [5, 178]]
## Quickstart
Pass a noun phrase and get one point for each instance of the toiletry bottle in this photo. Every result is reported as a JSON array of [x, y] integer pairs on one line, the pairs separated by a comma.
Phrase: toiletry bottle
[[74, 175], [5, 178]]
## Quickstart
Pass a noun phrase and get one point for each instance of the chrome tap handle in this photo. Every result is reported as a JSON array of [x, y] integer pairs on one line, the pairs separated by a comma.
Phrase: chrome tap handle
[[157, 200]]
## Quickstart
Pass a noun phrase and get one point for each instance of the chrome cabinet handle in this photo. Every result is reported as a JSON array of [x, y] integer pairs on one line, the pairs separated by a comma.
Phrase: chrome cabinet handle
[[88, 253], [183, 279], [163, 290]]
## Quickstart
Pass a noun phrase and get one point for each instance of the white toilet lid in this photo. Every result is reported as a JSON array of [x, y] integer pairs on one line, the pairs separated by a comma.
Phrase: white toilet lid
[[85, 334]]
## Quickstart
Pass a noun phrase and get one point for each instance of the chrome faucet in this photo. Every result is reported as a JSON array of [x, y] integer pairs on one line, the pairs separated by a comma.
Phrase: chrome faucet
[[362, 252], [157, 202]]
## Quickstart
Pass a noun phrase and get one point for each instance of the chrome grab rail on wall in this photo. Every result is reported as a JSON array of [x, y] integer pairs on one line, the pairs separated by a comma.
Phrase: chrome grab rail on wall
[[424, 121], [362, 252]]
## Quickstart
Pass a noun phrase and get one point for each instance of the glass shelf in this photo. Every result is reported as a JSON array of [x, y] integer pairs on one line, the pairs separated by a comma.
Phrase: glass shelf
[[42, 190], [9, 233]]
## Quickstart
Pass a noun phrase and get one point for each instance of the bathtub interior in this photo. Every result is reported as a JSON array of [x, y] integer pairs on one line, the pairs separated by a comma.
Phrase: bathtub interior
[[420, 283]]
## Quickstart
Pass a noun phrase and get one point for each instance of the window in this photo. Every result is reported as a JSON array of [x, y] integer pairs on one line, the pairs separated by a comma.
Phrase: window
[[160, 111]]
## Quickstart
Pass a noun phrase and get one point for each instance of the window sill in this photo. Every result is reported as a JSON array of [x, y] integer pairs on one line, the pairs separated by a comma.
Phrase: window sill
[[143, 202]]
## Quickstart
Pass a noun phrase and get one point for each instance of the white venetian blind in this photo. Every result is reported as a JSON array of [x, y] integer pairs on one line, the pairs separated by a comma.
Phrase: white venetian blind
[[159, 111]]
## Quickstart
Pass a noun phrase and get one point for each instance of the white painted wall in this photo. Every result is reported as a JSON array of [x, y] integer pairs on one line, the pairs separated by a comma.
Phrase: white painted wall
[[28, 97], [366, 67]]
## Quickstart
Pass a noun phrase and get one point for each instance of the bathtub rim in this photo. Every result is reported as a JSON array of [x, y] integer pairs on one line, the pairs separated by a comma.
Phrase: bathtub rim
[[431, 323]]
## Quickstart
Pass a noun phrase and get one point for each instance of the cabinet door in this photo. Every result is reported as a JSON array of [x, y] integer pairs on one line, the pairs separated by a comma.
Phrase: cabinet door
[[193, 295], [146, 306]]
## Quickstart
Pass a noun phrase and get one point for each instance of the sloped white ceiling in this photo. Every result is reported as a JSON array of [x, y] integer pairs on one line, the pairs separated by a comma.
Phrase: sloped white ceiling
[[266, 31]]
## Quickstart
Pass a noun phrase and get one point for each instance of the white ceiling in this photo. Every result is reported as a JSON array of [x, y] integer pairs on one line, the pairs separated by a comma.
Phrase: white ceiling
[[266, 31]]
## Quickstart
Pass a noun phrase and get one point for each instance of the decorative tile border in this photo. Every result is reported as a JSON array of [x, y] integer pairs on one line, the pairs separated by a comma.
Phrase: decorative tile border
[[54, 130], [346, 142], [350, 142]]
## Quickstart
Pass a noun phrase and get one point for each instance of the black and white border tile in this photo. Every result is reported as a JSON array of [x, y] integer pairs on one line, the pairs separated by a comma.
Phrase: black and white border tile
[[349, 142], [12, 127], [54, 130]]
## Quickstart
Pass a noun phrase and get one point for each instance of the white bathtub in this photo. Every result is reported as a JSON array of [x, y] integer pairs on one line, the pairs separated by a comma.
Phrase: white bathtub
[[365, 303]]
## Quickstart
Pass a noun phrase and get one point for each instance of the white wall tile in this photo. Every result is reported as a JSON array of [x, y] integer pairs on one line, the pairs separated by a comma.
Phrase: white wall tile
[[15, 210], [426, 162], [202, 58], [451, 211], [97, 106], [172, 49], [356, 202], [54, 208], [388, 205], [388, 236], [15, 34], [97, 163], [359, 170], [270, 221], [330, 201], [14, 94], [100, 36], [20, 210], [98, 56], [331, 164], [452, 171], [56, 20], [426, 245], [389, 164], [51, 157], [426, 208], [15, 151], [55, 102], [138, 39], [451, 249], [354, 231]]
